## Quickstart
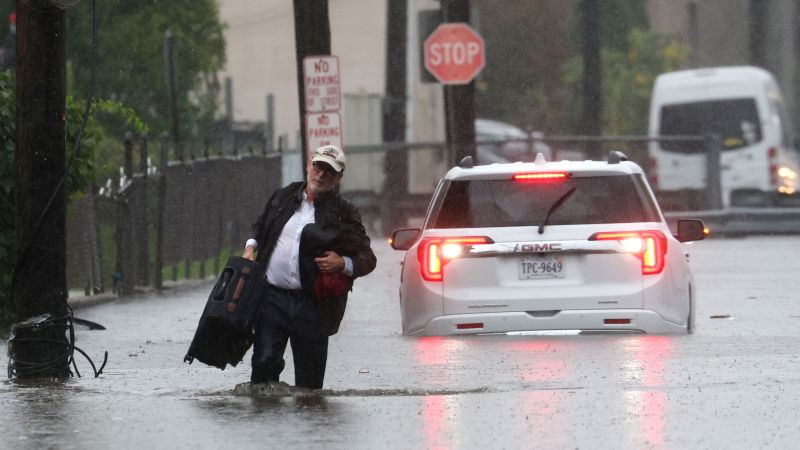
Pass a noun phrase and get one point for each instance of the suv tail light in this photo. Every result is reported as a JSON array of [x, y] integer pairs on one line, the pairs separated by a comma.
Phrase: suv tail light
[[540, 176], [648, 246], [435, 252]]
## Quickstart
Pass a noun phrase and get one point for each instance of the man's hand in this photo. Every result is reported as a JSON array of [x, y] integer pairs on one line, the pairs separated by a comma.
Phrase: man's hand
[[249, 253], [330, 263]]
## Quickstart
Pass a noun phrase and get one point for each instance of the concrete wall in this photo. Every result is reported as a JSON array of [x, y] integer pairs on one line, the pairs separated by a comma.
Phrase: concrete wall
[[260, 49]]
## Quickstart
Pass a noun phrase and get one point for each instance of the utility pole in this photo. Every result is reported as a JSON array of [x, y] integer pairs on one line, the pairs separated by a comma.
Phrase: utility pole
[[592, 78], [757, 13], [312, 35], [40, 281], [459, 100], [394, 114]]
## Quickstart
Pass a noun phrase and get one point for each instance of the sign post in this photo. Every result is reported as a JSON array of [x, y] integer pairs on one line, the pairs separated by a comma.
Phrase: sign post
[[323, 101]]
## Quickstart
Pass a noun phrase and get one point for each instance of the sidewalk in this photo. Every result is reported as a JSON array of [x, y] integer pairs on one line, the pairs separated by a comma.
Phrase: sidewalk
[[78, 300]]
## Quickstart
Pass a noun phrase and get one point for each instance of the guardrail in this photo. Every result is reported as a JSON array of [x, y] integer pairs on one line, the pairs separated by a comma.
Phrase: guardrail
[[743, 221]]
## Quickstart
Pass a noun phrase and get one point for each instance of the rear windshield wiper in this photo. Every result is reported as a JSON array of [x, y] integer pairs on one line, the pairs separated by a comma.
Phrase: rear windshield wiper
[[556, 204]]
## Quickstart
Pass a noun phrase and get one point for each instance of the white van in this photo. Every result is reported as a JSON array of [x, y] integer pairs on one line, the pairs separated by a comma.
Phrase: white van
[[744, 106]]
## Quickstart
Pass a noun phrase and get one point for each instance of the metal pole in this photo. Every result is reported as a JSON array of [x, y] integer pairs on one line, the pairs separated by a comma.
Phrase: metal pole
[[172, 91], [592, 76], [142, 219], [312, 35], [714, 146], [162, 195], [459, 99], [395, 185], [269, 128]]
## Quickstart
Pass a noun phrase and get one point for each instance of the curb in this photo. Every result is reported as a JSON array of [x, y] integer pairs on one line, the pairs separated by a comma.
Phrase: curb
[[79, 301]]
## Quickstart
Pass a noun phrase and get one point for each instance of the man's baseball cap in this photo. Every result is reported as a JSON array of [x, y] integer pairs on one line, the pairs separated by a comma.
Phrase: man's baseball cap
[[331, 155]]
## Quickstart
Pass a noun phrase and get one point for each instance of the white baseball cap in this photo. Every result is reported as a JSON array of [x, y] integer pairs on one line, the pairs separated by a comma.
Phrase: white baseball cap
[[331, 155]]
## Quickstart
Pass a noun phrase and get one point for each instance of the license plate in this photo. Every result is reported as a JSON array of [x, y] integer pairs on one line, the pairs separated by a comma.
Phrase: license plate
[[537, 267]]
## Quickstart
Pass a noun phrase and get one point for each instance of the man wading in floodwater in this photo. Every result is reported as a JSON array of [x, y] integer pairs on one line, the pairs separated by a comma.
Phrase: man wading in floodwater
[[312, 243]]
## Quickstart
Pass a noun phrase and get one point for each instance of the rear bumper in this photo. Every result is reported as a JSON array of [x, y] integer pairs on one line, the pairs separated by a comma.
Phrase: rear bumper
[[641, 320]]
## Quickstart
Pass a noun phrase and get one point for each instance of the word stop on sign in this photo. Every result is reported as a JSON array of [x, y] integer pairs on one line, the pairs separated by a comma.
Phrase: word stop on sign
[[454, 53]]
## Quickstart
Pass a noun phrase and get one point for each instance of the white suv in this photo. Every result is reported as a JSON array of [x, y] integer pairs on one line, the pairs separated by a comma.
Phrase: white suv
[[569, 245]]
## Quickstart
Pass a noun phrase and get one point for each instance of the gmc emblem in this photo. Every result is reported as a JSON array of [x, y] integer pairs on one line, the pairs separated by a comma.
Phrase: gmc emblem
[[544, 247]]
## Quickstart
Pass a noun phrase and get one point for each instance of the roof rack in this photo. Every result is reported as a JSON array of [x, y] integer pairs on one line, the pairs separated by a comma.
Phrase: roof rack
[[615, 156]]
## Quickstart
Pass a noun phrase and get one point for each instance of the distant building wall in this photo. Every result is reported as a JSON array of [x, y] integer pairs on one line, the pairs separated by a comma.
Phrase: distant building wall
[[261, 60], [260, 50]]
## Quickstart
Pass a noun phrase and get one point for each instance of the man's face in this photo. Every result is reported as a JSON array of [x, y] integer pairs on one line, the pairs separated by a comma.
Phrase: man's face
[[321, 177]]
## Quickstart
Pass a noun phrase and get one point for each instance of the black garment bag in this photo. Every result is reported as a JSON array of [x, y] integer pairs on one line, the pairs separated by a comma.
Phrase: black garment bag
[[225, 331]]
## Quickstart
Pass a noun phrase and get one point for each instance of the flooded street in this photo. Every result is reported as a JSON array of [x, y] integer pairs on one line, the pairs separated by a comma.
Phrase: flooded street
[[735, 383]]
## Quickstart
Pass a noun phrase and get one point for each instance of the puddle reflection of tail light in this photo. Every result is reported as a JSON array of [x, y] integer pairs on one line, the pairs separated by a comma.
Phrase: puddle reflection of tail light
[[652, 247], [616, 321], [435, 252]]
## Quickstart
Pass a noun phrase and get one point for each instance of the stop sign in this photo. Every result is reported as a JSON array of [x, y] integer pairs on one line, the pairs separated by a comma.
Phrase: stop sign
[[454, 53]]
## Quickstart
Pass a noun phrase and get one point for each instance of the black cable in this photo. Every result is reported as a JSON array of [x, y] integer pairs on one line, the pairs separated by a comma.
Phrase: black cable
[[26, 368], [15, 366]]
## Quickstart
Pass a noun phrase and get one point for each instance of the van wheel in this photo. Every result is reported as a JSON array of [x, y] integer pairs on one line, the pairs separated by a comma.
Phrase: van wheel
[[690, 320]]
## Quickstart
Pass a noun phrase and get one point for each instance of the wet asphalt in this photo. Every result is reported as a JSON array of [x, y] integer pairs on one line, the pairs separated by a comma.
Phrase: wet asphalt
[[735, 383]]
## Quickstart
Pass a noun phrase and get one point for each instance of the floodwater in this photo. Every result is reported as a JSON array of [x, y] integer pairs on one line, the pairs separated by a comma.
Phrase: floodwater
[[735, 383]]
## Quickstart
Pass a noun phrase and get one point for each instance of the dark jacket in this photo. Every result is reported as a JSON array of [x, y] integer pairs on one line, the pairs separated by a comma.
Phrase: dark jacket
[[337, 221]]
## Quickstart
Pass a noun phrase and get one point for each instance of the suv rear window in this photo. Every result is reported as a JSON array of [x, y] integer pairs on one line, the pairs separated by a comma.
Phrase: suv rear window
[[509, 203]]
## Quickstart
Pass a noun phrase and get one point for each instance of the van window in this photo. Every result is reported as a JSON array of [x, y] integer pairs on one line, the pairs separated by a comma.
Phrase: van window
[[508, 203], [735, 120]]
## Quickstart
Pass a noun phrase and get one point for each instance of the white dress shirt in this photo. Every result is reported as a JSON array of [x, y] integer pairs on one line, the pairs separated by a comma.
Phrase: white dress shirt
[[283, 269]]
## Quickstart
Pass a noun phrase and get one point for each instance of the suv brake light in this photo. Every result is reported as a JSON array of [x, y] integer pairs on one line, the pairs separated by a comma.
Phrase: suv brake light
[[435, 252], [649, 246], [540, 176]]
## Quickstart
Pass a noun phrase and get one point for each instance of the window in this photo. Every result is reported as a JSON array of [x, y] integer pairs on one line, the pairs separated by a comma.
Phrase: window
[[736, 121], [508, 203]]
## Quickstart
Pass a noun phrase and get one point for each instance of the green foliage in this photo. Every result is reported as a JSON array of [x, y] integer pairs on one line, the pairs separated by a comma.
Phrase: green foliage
[[617, 19], [628, 78], [130, 57], [82, 167], [525, 47]]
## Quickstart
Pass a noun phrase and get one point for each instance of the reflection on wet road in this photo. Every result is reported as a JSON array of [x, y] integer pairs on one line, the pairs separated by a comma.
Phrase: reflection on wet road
[[733, 384]]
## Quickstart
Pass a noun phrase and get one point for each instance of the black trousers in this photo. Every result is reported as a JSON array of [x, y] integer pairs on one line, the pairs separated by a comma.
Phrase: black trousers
[[289, 316]]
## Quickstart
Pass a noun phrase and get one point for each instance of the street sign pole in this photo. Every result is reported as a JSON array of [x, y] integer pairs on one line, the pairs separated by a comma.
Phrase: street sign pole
[[312, 36], [454, 54]]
